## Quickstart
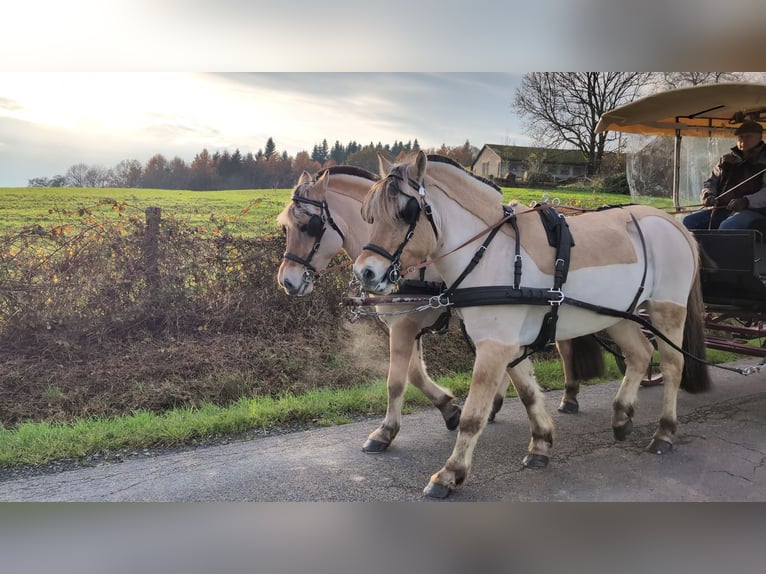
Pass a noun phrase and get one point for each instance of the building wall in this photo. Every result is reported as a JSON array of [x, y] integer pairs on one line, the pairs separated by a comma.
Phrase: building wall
[[488, 163]]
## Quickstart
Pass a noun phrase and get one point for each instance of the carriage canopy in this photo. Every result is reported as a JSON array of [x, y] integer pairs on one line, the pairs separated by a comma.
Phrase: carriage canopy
[[708, 110]]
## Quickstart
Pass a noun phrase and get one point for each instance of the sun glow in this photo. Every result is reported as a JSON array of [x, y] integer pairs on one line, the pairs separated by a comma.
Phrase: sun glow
[[180, 109]]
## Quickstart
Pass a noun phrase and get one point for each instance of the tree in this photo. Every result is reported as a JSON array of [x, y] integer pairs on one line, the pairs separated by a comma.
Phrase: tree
[[321, 153], [127, 173], [561, 109], [366, 158], [303, 162], [77, 175], [271, 147], [202, 171], [673, 80], [338, 153], [157, 173]]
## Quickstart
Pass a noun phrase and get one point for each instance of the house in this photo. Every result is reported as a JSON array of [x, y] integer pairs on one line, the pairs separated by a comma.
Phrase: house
[[515, 162]]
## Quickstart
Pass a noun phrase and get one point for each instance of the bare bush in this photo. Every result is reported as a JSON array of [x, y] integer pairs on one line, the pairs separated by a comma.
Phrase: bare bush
[[94, 322]]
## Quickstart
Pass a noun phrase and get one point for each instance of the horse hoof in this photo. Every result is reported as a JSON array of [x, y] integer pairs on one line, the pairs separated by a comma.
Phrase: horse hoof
[[535, 461], [569, 408], [659, 446], [438, 491], [453, 422], [621, 433], [375, 446]]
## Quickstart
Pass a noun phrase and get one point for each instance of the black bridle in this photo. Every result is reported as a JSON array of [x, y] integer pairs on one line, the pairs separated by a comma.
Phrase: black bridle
[[315, 228], [410, 215]]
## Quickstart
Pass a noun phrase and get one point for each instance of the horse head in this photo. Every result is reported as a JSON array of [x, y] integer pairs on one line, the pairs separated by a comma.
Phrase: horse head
[[312, 236], [395, 207]]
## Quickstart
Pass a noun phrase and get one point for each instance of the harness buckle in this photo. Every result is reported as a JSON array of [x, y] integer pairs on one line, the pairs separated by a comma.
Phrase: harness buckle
[[558, 293], [438, 301], [394, 273]]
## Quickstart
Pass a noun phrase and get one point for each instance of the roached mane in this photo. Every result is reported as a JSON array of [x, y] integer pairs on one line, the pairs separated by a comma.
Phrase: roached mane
[[486, 197]]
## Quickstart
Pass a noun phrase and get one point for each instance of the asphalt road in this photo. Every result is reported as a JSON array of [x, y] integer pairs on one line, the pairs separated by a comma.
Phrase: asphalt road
[[718, 456]]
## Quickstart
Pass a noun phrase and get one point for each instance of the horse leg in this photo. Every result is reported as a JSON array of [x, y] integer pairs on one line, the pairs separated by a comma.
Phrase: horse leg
[[582, 359], [502, 391], [540, 423], [440, 397], [402, 335], [668, 318], [491, 360], [568, 404], [637, 351]]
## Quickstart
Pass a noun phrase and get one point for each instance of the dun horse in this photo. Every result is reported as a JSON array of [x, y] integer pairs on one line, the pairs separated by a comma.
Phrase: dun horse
[[509, 286], [324, 216]]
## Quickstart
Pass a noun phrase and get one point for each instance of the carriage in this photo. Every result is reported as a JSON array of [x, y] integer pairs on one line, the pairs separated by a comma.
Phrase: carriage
[[734, 291]]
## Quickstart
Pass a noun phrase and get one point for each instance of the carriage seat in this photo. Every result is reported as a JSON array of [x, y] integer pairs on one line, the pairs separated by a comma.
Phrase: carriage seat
[[740, 262]]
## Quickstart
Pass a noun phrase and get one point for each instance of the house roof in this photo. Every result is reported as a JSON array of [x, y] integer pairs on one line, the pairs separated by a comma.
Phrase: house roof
[[521, 153]]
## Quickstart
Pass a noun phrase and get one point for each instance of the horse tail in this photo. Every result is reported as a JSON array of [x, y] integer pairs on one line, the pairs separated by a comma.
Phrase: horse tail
[[587, 358], [695, 377]]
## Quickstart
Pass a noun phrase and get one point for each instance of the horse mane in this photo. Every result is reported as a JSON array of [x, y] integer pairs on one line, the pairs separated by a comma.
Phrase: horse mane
[[476, 195], [296, 211], [448, 160], [346, 170]]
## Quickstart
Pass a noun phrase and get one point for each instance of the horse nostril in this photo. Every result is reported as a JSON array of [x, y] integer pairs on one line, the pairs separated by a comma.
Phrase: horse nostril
[[287, 285], [368, 275]]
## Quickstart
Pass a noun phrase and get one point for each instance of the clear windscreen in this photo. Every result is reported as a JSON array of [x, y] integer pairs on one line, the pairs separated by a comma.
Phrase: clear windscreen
[[649, 166]]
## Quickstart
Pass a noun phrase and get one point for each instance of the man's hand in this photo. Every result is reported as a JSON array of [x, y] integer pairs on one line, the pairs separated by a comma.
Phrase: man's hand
[[708, 199], [738, 204]]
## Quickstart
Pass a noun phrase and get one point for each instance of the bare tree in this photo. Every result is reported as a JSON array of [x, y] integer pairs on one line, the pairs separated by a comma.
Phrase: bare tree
[[673, 80], [561, 109], [77, 175], [127, 173]]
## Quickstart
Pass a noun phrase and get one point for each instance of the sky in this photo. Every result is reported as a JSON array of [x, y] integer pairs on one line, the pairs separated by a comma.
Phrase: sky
[[50, 121], [95, 82]]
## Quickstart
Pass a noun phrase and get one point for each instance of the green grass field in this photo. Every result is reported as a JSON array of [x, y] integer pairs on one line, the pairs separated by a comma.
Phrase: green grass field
[[248, 212]]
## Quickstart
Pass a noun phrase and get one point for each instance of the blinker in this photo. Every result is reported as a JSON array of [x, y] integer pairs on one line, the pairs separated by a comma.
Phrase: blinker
[[411, 211], [315, 226]]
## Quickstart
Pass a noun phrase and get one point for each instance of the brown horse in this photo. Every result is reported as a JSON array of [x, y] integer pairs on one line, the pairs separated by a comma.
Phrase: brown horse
[[622, 259], [324, 216]]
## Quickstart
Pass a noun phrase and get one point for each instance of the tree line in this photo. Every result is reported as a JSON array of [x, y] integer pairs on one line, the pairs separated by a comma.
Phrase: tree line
[[267, 168]]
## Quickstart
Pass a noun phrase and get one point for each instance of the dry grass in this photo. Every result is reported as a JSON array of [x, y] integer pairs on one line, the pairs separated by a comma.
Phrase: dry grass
[[92, 326]]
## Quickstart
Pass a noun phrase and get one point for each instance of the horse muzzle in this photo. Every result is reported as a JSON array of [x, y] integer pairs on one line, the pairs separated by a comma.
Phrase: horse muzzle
[[296, 285], [375, 277]]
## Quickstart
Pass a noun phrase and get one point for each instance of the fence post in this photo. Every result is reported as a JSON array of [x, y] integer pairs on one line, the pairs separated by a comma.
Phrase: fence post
[[151, 249]]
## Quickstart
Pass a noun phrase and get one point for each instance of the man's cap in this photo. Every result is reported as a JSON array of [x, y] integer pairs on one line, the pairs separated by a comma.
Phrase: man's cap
[[749, 127]]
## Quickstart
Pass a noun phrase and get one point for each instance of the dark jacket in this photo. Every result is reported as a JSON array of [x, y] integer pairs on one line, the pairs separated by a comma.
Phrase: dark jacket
[[731, 170]]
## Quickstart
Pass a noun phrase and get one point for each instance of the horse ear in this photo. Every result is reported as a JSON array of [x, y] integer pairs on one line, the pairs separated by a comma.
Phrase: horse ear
[[305, 178], [324, 181], [421, 161], [384, 165]]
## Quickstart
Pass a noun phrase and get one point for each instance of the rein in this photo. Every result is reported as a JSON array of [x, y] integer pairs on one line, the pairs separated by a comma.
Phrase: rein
[[507, 217]]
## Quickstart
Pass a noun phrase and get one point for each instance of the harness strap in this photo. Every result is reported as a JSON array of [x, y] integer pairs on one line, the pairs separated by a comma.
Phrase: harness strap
[[517, 254], [475, 259], [561, 237]]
